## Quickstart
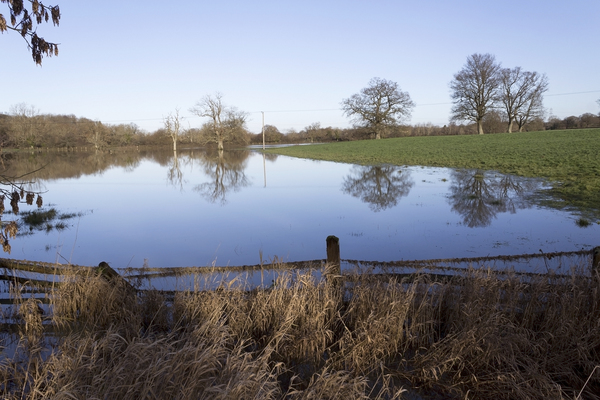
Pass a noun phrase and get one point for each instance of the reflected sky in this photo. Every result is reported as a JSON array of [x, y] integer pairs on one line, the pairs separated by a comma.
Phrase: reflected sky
[[198, 209]]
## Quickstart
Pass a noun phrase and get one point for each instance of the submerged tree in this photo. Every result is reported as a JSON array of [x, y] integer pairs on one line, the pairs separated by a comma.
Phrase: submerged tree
[[227, 124], [379, 106], [172, 124], [474, 89], [22, 21]]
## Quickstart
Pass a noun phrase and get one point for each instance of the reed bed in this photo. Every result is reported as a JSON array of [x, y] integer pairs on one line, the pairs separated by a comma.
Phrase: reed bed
[[477, 334]]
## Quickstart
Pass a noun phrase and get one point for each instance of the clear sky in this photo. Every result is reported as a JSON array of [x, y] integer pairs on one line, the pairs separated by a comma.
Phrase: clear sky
[[137, 61]]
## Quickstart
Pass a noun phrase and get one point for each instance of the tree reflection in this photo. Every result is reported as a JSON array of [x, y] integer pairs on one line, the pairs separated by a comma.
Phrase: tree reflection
[[478, 196], [226, 173], [379, 186], [174, 173]]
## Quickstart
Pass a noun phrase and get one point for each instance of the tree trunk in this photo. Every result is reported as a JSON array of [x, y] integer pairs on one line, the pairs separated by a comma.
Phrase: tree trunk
[[220, 145], [480, 127], [510, 124]]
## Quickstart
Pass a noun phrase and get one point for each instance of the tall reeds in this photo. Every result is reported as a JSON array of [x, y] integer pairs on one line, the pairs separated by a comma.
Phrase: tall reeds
[[473, 335]]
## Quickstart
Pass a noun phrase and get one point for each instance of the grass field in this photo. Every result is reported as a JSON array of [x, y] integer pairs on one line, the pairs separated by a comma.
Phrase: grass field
[[569, 160]]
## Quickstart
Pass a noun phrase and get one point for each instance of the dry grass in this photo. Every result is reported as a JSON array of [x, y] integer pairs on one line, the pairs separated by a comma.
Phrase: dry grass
[[477, 335]]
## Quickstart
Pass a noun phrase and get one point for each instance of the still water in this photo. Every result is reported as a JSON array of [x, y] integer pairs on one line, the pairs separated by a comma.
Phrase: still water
[[199, 209]]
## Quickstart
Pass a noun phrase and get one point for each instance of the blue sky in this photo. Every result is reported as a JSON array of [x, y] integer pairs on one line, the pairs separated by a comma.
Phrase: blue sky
[[137, 61]]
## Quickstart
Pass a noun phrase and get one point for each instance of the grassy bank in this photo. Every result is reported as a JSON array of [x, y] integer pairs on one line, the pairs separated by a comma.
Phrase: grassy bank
[[476, 335], [570, 160]]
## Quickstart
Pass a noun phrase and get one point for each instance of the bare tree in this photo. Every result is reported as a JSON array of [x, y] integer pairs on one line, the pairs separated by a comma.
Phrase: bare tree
[[227, 124], [379, 106], [22, 21], [172, 124], [96, 135], [520, 93], [474, 89], [533, 109], [24, 124]]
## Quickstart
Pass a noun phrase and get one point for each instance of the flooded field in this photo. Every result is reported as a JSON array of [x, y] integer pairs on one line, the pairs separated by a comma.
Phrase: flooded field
[[159, 209]]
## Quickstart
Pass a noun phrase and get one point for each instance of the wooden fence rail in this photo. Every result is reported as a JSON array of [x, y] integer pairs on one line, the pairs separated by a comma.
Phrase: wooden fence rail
[[45, 276]]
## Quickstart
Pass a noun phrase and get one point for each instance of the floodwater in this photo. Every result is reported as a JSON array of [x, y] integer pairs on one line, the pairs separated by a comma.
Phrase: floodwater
[[198, 208]]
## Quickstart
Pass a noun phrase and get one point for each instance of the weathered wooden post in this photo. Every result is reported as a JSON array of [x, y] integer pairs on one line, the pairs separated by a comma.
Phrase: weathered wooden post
[[113, 277], [333, 250], [333, 268]]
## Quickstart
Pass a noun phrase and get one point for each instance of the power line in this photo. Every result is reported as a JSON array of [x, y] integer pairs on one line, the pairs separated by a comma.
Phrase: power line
[[323, 109], [564, 94], [281, 111]]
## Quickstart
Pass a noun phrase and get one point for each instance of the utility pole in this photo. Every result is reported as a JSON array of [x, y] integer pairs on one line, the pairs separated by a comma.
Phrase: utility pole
[[264, 157], [263, 128]]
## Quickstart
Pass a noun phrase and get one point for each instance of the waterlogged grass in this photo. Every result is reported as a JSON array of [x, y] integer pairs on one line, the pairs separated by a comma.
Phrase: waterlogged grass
[[569, 160], [46, 219]]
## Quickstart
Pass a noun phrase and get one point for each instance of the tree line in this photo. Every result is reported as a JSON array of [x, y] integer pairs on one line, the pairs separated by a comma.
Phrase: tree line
[[68, 131], [485, 98]]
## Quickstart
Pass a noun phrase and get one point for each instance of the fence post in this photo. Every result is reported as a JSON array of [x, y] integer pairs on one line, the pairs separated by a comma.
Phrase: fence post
[[333, 268], [333, 250], [113, 277]]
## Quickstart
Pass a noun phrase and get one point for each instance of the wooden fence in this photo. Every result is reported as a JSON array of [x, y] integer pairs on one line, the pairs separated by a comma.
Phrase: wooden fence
[[41, 277]]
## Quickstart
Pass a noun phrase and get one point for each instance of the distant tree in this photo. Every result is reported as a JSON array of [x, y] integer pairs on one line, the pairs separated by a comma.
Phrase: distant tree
[[589, 120], [494, 122], [536, 124], [172, 125], [520, 92], [272, 134], [96, 134], [22, 21], [24, 124], [227, 124], [379, 106], [312, 131], [571, 122], [474, 89], [292, 136]]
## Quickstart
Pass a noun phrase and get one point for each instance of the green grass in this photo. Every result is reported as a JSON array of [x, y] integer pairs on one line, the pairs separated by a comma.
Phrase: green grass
[[569, 160]]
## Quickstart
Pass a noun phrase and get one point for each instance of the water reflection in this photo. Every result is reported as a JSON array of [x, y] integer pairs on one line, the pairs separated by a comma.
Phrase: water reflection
[[174, 173], [478, 196], [379, 186], [226, 173], [288, 218]]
